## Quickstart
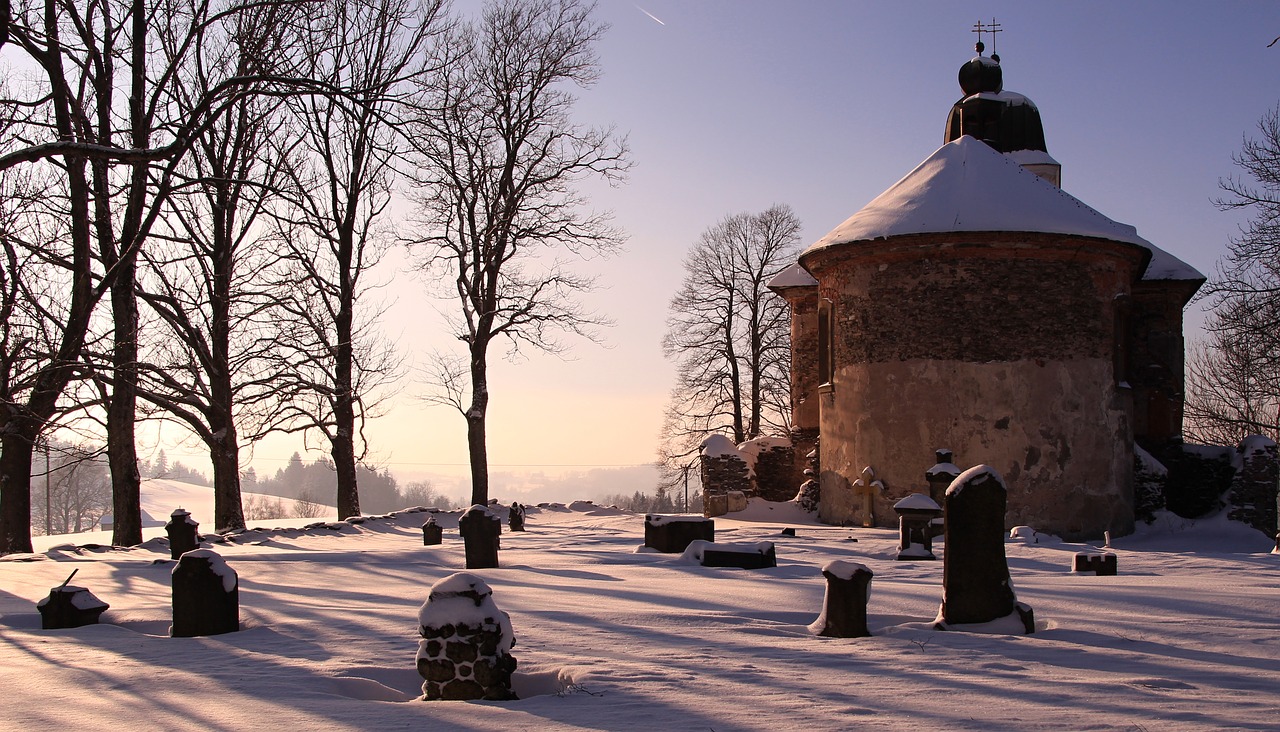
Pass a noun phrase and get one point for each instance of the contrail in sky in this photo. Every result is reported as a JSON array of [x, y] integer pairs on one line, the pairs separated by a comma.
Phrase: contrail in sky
[[656, 19]]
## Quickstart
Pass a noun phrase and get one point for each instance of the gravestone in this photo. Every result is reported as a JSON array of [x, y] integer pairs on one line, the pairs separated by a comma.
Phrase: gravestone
[[69, 606], [480, 530], [976, 587], [432, 534], [844, 607], [516, 517], [1102, 564], [182, 533], [916, 514], [465, 651], [867, 488], [206, 596], [939, 476], [671, 533], [761, 555]]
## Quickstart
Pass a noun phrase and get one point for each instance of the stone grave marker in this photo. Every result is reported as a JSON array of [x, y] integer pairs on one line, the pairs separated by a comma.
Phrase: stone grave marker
[[671, 533], [68, 606], [432, 534], [916, 514], [182, 533], [480, 531], [206, 596], [844, 607], [976, 587], [465, 651], [516, 517]]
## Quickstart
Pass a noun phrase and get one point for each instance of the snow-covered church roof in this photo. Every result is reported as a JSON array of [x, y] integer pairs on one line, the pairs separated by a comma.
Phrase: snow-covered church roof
[[967, 186]]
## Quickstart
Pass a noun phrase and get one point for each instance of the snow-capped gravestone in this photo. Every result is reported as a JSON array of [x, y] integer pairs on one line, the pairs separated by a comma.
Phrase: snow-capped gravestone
[[206, 596], [671, 533], [1254, 487], [68, 606], [760, 555], [916, 514], [480, 531], [432, 534], [844, 607], [516, 517], [939, 476], [1102, 564], [182, 533], [465, 651], [976, 587]]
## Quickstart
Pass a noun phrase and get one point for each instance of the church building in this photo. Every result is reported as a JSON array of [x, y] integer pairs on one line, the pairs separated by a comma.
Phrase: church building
[[976, 307]]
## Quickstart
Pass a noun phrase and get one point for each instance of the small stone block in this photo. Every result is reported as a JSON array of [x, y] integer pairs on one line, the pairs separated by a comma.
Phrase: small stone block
[[69, 607], [740, 559], [432, 534], [1102, 565], [672, 534]]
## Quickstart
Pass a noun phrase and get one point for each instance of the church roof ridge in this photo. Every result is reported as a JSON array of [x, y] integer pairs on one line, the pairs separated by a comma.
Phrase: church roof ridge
[[966, 186]]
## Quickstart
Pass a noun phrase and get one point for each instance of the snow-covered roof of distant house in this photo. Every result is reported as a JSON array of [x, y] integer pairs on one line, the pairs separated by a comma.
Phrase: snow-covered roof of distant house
[[793, 276], [967, 186]]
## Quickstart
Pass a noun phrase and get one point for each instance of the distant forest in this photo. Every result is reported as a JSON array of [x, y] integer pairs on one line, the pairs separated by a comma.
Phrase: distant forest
[[317, 482]]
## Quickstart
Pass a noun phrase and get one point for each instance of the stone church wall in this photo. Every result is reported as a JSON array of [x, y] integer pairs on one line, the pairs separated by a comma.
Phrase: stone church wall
[[1000, 349]]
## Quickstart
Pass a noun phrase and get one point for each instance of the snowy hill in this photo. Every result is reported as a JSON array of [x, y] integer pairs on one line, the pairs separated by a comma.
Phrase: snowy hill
[[609, 638], [161, 496]]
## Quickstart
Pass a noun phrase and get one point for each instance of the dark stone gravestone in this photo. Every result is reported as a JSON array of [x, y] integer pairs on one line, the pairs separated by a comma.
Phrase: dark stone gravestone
[[516, 517], [939, 476], [68, 606], [432, 534], [182, 533], [465, 651], [480, 531], [844, 608], [671, 533], [1102, 564], [206, 596], [741, 556], [976, 587], [916, 514]]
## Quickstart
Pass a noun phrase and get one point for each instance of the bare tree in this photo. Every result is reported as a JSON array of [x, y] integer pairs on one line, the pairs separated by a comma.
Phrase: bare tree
[[209, 366], [95, 123], [339, 192], [1233, 385], [729, 336], [500, 157], [77, 485]]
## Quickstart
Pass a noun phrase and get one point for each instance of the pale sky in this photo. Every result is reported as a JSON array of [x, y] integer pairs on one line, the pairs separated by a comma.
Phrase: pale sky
[[735, 105]]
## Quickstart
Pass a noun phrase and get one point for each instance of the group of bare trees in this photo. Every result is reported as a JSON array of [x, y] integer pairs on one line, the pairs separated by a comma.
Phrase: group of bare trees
[[729, 337], [1233, 377], [193, 194]]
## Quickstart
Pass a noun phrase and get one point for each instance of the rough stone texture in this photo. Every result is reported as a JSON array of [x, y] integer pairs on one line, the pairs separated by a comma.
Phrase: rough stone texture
[[1008, 345], [480, 531], [673, 537], [1102, 565], [1155, 359], [201, 603], [70, 607], [466, 661], [1256, 484], [432, 533], [844, 607], [1199, 476], [775, 473], [976, 587], [735, 501], [721, 474], [181, 529], [1149, 483], [804, 443], [714, 504]]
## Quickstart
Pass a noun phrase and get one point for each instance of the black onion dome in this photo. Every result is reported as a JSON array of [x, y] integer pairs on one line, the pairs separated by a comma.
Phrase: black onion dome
[[1006, 121]]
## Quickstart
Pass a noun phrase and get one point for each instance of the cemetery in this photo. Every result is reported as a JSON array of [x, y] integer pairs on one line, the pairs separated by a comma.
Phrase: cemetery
[[312, 623]]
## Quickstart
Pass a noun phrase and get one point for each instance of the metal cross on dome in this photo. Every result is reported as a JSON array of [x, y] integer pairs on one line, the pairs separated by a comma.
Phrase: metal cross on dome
[[993, 28]]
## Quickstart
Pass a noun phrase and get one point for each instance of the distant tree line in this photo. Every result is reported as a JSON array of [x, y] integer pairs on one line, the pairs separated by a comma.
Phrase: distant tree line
[[380, 492], [194, 195]]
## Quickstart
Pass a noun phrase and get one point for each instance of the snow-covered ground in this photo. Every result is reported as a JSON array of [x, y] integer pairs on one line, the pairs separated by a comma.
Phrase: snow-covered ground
[[608, 638]]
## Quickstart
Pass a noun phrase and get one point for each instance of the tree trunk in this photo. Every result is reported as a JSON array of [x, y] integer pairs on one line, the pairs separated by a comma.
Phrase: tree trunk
[[122, 455], [343, 446], [477, 450], [224, 452], [15, 490]]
